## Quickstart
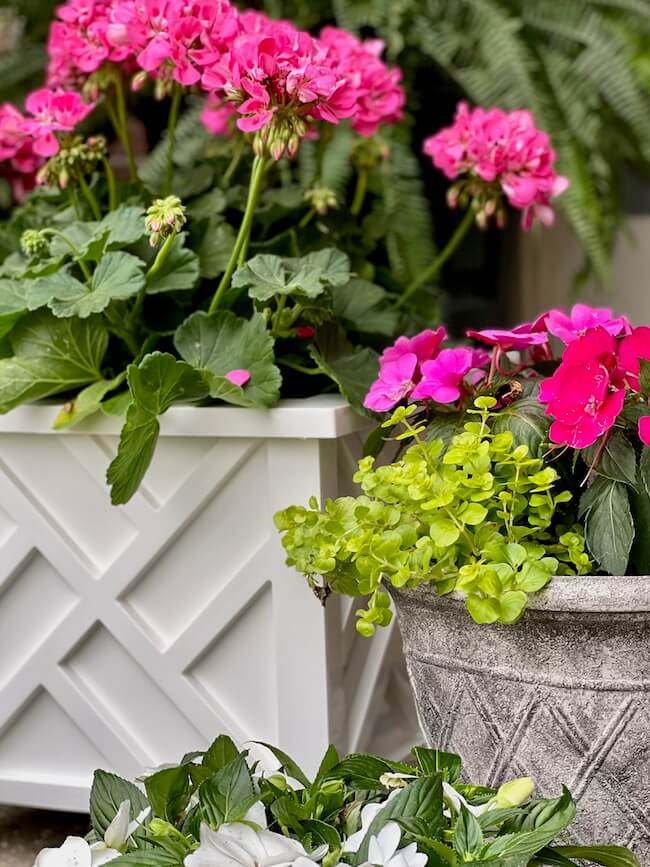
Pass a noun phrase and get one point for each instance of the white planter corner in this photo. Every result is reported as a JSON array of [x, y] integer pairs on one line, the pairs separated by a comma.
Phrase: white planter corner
[[131, 635]]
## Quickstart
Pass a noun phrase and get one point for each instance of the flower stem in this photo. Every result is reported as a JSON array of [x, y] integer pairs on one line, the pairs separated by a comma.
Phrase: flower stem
[[76, 252], [112, 190], [311, 371], [155, 267], [238, 153], [241, 242], [123, 126], [445, 254], [306, 220], [360, 192], [171, 137], [90, 198], [74, 204]]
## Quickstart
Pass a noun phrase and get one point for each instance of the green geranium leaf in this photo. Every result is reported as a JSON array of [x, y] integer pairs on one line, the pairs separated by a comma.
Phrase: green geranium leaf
[[421, 799], [118, 275], [125, 226], [50, 356], [215, 248], [266, 275], [616, 460], [86, 237], [107, 793], [159, 381], [222, 342], [180, 270], [363, 306], [13, 303], [87, 402], [609, 529]]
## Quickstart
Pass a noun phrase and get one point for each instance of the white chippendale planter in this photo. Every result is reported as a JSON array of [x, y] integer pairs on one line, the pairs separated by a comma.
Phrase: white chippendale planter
[[131, 635]]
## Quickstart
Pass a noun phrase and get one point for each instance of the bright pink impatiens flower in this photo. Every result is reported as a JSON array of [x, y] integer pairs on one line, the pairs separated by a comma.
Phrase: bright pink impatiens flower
[[586, 393], [395, 382], [521, 337], [568, 327], [500, 148], [632, 349], [424, 345], [442, 377]]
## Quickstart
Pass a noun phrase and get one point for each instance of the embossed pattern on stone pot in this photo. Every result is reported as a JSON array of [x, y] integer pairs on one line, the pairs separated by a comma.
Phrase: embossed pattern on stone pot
[[562, 696]]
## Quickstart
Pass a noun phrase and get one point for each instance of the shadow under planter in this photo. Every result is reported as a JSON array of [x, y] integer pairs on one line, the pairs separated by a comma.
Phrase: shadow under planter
[[562, 696]]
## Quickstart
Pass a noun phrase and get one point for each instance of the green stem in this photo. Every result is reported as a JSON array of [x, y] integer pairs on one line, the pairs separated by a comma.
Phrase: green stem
[[360, 192], [112, 189], [238, 153], [76, 252], [311, 371], [171, 137], [306, 220], [445, 254], [123, 126], [281, 301], [241, 242], [156, 265], [74, 204], [90, 198]]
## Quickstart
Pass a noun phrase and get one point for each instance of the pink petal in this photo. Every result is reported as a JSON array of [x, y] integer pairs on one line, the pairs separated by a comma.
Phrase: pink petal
[[239, 376]]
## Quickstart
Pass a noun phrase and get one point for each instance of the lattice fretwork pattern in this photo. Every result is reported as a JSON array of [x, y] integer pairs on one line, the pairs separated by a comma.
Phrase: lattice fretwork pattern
[[129, 636]]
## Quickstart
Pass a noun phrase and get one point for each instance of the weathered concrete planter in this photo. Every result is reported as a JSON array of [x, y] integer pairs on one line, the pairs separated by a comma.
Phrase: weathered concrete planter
[[563, 696]]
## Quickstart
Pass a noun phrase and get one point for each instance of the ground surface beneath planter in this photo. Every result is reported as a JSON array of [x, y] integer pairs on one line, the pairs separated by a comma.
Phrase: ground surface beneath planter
[[23, 833]]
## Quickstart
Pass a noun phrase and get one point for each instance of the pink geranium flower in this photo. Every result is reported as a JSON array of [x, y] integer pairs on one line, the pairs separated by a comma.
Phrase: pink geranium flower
[[216, 116], [633, 348], [521, 337], [442, 377], [568, 327], [502, 148], [52, 111], [586, 393], [395, 382]]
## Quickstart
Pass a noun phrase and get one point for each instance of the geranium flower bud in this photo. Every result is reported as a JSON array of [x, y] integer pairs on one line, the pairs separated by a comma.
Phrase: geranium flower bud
[[164, 217], [34, 244], [322, 199]]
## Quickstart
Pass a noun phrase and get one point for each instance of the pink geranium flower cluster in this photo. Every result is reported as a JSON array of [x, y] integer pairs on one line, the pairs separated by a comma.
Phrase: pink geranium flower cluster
[[506, 154], [418, 368], [26, 140], [270, 71]]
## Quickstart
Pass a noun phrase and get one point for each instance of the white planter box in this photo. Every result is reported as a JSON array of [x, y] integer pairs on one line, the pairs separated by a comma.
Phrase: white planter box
[[131, 635]]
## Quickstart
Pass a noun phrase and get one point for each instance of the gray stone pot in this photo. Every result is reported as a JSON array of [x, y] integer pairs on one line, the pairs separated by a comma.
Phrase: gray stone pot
[[563, 696]]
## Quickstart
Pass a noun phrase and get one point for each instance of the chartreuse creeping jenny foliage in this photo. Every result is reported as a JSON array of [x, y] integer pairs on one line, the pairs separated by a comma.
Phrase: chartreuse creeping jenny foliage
[[480, 516], [257, 806]]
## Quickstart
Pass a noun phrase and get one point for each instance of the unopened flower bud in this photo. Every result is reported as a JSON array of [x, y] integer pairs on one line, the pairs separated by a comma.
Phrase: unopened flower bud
[[34, 244], [138, 81], [164, 218], [322, 199], [293, 145], [515, 792], [277, 148]]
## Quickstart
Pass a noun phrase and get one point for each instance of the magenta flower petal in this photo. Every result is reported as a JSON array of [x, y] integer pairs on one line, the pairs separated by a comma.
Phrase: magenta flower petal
[[644, 429], [239, 376]]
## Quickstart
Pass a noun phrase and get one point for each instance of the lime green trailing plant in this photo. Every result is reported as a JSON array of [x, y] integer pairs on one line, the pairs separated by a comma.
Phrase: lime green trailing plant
[[480, 516]]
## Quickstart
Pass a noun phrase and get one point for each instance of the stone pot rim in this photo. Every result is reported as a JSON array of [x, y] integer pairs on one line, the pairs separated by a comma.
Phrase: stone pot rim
[[580, 593]]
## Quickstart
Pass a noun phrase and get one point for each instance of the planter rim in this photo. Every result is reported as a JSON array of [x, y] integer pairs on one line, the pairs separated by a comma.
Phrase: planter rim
[[326, 416], [576, 593]]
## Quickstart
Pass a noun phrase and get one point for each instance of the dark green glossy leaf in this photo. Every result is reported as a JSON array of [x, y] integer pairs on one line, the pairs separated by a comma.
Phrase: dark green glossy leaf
[[437, 761], [468, 835], [107, 793], [221, 752], [606, 856], [168, 791], [615, 460], [228, 794], [609, 529], [526, 420]]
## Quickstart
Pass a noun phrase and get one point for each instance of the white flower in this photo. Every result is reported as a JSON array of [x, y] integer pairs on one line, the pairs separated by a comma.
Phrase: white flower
[[368, 813], [455, 799], [393, 780], [77, 852], [257, 815], [267, 764], [383, 851], [236, 844]]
